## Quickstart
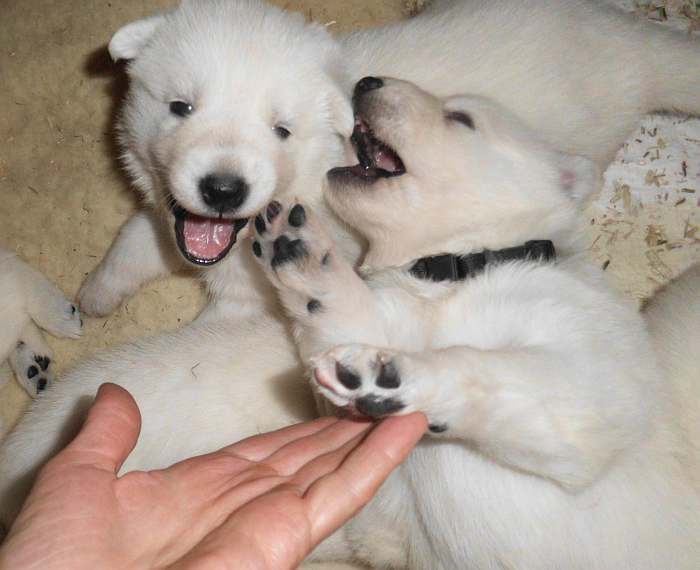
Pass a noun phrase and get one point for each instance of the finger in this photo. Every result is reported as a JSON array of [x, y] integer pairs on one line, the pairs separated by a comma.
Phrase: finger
[[323, 465], [335, 498], [109, 433], [298, 453], [259, 447]]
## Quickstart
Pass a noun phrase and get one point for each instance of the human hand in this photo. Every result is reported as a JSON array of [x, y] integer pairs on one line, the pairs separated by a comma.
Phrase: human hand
[[262, 503]]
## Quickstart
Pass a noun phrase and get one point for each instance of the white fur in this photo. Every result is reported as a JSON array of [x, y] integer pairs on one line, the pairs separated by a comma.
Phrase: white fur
[[562, 443], [28, 302], [247, 66], [579, 72]]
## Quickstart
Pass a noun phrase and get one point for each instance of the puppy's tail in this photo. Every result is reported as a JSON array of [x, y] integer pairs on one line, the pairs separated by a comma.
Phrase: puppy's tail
[[674, 72]]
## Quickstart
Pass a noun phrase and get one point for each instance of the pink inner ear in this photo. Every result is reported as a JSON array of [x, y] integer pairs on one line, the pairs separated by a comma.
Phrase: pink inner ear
[[568, 179]]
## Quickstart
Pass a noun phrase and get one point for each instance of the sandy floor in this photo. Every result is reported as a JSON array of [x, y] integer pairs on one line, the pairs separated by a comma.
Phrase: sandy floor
[[63, 198]]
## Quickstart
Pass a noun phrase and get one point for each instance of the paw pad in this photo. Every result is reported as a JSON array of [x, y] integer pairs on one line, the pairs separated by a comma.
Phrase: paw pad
[[347, 376], [285, 249], [273, 210], [297, 216], [388, 376], [375, 406], [42, 361], [260, 224]]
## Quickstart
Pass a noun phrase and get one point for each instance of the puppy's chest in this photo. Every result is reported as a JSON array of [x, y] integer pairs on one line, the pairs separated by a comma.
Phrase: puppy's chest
[[479, 312]]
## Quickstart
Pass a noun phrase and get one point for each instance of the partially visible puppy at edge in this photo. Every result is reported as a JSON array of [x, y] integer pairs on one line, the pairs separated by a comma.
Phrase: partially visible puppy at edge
[[565, 429], [28, 303]]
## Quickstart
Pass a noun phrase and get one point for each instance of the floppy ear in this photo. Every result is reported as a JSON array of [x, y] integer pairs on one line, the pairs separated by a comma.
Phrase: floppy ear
[[580, 177], [128, 42]]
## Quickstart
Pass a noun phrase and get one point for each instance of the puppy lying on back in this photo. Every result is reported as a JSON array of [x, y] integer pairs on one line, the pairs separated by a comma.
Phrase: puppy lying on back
[[28, 303], [557, 441]]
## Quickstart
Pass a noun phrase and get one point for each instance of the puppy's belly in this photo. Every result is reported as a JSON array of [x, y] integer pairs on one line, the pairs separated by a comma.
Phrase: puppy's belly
[[248, 381], [198, 389]]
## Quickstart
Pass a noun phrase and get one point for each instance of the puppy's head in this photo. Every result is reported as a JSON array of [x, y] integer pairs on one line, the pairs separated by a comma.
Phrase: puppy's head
[[228, 103], [454, 175]]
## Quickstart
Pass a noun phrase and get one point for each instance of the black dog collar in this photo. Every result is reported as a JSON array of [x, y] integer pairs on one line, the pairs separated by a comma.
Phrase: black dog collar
[[449, 267]]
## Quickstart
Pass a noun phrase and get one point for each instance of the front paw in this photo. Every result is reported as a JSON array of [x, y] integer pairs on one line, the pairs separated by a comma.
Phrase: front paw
[[98, 295], [294, 251], [377, 382], [61, 318], [364, 379]]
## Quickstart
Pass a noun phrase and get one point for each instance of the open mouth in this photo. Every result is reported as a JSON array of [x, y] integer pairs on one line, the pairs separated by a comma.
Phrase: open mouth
[[376, 158], [204, 241]]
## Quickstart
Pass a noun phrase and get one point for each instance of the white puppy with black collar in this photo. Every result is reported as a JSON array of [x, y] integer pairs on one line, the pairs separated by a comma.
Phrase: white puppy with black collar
[[559, 438]]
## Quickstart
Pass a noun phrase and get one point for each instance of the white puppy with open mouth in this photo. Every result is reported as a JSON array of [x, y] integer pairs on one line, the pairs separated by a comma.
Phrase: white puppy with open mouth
[[233, 102], [561, 439], [226, 92]]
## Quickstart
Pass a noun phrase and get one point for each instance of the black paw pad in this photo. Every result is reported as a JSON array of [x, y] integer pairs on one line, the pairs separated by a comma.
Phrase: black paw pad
[[313, 306], [42, 361], [438, 428], [297, 217], [388, 376], [285, 249], [347, 377], [273, 210], [260, 224], [32, 371], [375, 407], [257, 249], [41, 385], [73, 309]]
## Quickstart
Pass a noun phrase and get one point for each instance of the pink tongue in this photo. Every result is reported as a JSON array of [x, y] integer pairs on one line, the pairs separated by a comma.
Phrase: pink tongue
[[207, 238], [385, 161]]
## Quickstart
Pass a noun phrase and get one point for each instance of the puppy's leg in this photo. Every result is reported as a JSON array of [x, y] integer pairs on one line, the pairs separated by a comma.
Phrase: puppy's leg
[[139, 254], [13, 315], [529, 409], [26, 294], [11, 326], [31, 361], [328, 301], [47, 305]]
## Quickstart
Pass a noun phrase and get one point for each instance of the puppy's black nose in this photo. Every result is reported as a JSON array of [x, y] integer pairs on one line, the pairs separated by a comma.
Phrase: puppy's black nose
[[223, 192], [367, 84]]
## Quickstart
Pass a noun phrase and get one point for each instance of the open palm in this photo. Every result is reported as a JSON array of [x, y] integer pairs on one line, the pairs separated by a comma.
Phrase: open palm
[[265, 502]]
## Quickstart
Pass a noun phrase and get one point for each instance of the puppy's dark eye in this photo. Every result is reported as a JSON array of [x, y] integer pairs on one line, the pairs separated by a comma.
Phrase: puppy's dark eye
[[462, 118], [282, 132], [181, 109]]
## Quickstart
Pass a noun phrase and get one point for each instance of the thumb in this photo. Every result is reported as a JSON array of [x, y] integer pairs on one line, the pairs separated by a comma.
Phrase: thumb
[[109, 433]]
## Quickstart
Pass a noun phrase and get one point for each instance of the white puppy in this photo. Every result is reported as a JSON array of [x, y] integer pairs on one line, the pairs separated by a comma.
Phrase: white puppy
[[28, 302], [250, 71], [559, 441], [234, 101]]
